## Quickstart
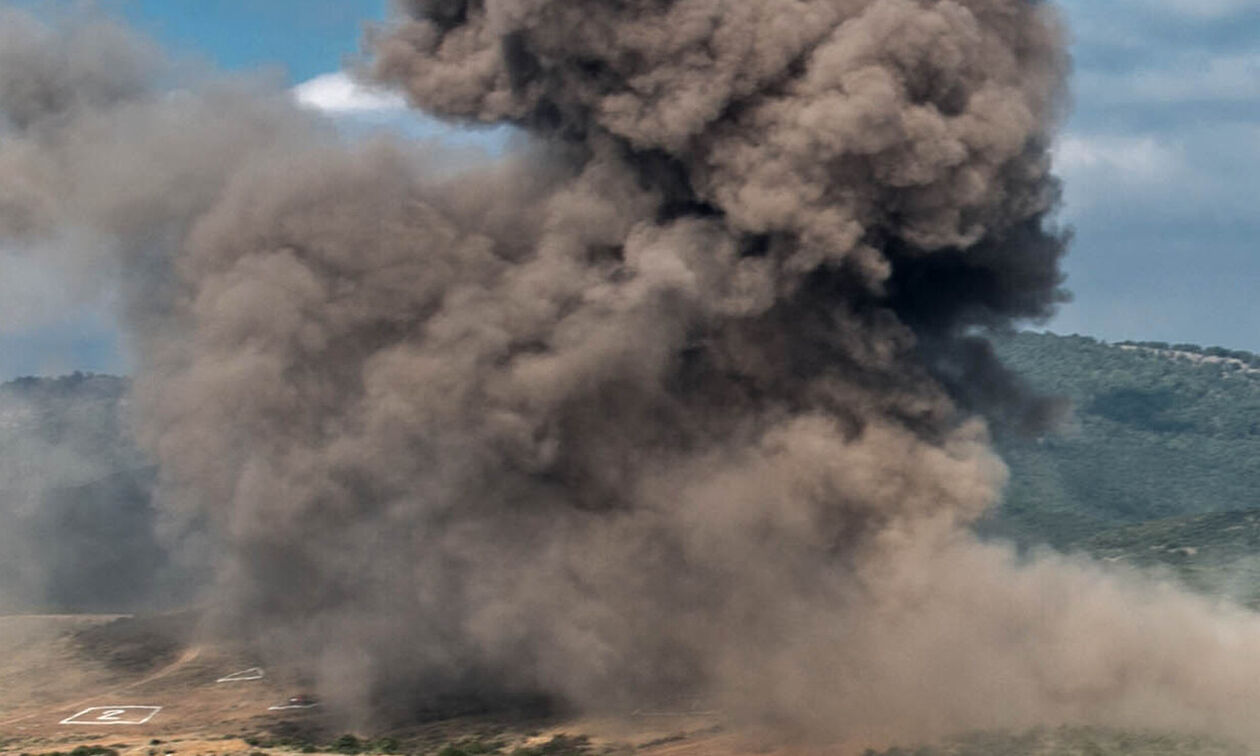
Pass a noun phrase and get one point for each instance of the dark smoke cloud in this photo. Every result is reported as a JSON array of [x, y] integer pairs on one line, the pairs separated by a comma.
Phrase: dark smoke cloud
[[896, 150], [683, 395]]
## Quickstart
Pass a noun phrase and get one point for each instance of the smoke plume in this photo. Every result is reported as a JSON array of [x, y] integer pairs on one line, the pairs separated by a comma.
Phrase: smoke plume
[[78, 523], [686, 395]]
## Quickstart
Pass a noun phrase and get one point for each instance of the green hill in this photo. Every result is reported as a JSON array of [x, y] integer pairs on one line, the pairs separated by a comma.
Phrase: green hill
[[1158, 432]]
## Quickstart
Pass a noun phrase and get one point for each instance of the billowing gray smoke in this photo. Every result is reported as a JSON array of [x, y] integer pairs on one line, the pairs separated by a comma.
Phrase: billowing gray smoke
[[77, 530], [683, 396]]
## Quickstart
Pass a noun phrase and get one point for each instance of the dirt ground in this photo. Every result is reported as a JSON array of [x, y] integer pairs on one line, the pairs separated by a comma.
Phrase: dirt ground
[[54, 668]]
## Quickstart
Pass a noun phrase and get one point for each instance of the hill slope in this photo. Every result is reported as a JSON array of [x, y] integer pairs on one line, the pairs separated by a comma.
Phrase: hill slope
[[1156, 433], [1159, 466]]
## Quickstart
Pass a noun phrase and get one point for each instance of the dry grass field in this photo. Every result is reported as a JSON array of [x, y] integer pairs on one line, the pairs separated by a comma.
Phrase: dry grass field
[[55, 668]]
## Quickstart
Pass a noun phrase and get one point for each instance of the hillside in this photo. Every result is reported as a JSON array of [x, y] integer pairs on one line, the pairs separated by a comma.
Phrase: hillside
[[1071, 741], [1157, 432], [59, 673], [1157, 467], [1217, 553]]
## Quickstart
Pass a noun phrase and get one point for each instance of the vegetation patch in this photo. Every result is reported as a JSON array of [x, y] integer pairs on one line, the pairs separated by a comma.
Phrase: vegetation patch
[[80, 751], [471, 747], [1157, 431], [560, 745], [1070, 741]]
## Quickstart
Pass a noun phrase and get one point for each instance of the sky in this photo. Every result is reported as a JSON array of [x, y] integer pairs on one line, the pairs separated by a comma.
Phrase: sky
[[1161, 162], [1160, 158]]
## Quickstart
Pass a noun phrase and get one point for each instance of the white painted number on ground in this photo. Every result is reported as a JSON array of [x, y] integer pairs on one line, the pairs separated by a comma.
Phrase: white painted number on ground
[[286, 707], [253, 673], [113, 715]]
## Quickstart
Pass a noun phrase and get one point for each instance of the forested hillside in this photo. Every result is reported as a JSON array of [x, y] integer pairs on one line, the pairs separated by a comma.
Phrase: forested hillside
[[1157, 431]]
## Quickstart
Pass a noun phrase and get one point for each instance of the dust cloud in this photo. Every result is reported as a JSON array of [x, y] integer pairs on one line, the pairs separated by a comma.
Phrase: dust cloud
[[686, 395]]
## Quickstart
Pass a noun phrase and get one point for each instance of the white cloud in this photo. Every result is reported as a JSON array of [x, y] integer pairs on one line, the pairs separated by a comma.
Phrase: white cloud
[[360, 111], [1121, 159], [1194, 77], [1127, 12], [1193, 173], [1108, 170], [1226, 77], [338, 94], [1206, 10]]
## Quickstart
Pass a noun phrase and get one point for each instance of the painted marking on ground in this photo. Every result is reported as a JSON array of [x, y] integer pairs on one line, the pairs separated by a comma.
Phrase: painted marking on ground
[[245, 675], [283, 707], [113, 715]]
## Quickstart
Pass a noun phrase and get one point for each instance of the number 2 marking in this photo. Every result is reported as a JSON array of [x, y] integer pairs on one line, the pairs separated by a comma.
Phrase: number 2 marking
[[113, 715]]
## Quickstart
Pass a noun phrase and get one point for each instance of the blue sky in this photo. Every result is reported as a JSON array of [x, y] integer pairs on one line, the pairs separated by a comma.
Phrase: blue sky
[[1161, 159], [1162, 167], [304, 38]]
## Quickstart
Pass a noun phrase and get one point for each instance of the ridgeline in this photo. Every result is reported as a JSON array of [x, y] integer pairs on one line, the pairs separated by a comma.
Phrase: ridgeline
[[1158, 463]]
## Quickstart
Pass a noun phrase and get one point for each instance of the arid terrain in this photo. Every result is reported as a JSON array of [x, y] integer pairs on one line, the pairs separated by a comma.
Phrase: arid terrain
[[55, 668]]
